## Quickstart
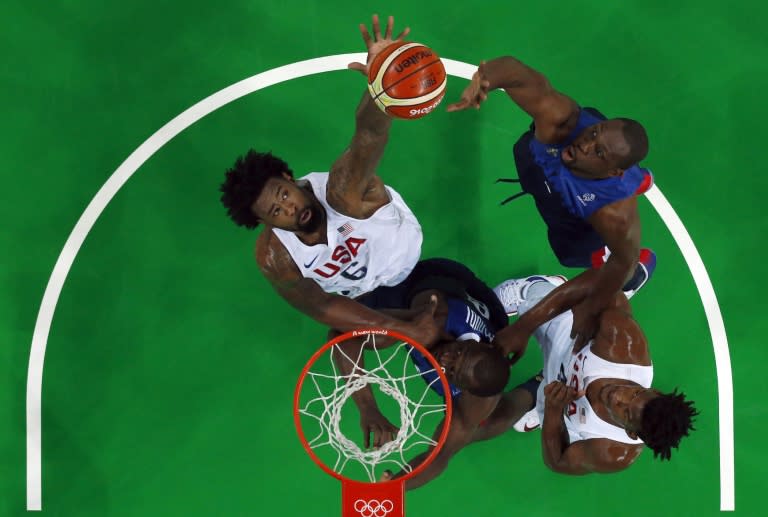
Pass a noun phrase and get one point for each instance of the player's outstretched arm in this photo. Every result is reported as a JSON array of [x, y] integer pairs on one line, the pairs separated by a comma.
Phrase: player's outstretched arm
[[514, 338], [337, 312], [529, 89], [348, 358], [468, 412], [353, 180], [619, 226], [594, 456]]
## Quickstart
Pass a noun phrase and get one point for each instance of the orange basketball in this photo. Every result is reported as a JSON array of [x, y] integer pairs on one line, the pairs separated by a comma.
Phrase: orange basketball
[[407, 80]]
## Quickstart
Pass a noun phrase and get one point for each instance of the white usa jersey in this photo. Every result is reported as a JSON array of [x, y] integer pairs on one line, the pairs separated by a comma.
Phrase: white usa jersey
[[360, 254], [578, 371]]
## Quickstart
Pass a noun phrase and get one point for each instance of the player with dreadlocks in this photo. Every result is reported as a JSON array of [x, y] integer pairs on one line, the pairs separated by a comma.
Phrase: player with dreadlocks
[[596, 403]]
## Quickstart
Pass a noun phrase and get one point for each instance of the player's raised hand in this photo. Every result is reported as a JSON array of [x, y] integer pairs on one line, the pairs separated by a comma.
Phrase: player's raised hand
[[474, 94], [425, 328], [557, 395], [585, 323], [372, 421], [512, 340], [377, 42]]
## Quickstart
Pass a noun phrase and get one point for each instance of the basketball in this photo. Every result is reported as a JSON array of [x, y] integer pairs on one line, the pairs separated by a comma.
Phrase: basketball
[[407, 80]]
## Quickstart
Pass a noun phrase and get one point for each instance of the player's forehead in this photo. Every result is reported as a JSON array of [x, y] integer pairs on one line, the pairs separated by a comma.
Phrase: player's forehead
[[612, 132], [639, 401], [474, 352], [609, 134], [270, 194]]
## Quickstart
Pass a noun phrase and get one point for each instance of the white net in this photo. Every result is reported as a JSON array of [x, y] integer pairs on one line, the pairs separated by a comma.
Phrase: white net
[[327, 419]]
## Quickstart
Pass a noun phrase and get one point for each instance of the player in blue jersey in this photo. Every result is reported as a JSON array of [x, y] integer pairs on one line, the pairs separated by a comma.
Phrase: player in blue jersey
[[467, 311], [582, 170]]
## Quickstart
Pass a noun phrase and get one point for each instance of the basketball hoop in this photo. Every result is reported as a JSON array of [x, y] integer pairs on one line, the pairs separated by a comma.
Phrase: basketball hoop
[[389, 369]]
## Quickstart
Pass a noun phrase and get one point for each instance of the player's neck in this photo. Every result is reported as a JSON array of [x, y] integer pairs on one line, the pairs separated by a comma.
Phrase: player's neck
[[319, 236]]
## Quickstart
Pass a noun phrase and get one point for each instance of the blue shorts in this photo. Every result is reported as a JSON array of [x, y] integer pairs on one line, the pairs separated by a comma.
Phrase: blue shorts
[[447, 275]]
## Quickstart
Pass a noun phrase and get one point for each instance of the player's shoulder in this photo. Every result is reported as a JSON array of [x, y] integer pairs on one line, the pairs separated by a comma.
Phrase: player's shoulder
[[558, 119], [606, 455], [272, 257], [618, 317], [619, 337]]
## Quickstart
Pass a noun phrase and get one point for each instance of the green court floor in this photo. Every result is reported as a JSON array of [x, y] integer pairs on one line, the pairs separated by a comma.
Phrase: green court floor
[[170, 363]]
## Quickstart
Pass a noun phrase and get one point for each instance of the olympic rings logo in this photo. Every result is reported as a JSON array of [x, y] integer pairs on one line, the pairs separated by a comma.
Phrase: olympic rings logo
[[373, 508]]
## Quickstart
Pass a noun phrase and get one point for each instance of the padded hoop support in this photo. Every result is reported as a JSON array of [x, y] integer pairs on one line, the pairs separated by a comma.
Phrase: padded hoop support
[[359, 499]]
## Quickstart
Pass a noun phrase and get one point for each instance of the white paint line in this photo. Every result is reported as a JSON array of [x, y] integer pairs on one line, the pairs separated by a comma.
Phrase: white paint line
[[253, 84]]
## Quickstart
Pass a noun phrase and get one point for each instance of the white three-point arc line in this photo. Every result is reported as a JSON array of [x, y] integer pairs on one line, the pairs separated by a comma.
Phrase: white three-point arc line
[[279, 75]]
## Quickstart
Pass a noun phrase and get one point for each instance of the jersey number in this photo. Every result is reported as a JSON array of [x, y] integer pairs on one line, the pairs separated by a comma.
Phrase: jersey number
[[342, 256]]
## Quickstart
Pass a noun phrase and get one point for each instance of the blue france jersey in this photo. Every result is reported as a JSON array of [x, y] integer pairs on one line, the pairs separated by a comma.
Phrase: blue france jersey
[[465, 321], [581, 196]]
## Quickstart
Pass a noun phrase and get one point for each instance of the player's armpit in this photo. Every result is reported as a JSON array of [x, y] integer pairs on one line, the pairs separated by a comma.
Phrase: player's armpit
[[274, 261], [598, 455]]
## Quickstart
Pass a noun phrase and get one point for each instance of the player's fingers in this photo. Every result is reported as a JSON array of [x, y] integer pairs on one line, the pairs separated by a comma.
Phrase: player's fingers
[[365, 34], [457, 106], [557, 389], [403, 34], [357, 66], [367, 438], [390, 24], [550, 387], [432, 304], [386, 475], [376, 28]]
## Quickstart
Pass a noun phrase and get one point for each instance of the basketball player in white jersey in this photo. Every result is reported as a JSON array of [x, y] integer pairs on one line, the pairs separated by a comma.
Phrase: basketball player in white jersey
[[596, 403], [337, 233]]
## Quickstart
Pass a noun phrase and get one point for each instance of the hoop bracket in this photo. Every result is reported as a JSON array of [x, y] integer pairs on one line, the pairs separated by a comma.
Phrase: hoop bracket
[[359, 499]]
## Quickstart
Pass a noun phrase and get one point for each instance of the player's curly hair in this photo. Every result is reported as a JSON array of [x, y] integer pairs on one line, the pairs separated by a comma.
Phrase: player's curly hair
[[244, 182], [490, 374], [666, 420]]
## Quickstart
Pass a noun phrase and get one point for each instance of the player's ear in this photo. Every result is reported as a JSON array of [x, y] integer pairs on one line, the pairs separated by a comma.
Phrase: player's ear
[[288, 177]]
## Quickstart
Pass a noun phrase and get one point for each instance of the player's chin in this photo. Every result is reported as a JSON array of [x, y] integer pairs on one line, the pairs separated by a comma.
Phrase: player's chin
[[312, 223]]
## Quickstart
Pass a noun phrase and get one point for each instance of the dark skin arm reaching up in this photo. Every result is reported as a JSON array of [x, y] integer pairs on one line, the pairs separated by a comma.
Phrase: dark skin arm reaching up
[[619, 226], [354, 188], [468, 412], [555, 115], [514, 338]]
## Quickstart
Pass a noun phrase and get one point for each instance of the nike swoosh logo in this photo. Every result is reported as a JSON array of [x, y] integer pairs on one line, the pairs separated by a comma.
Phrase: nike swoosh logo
[[312, 261], [527, 429]]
